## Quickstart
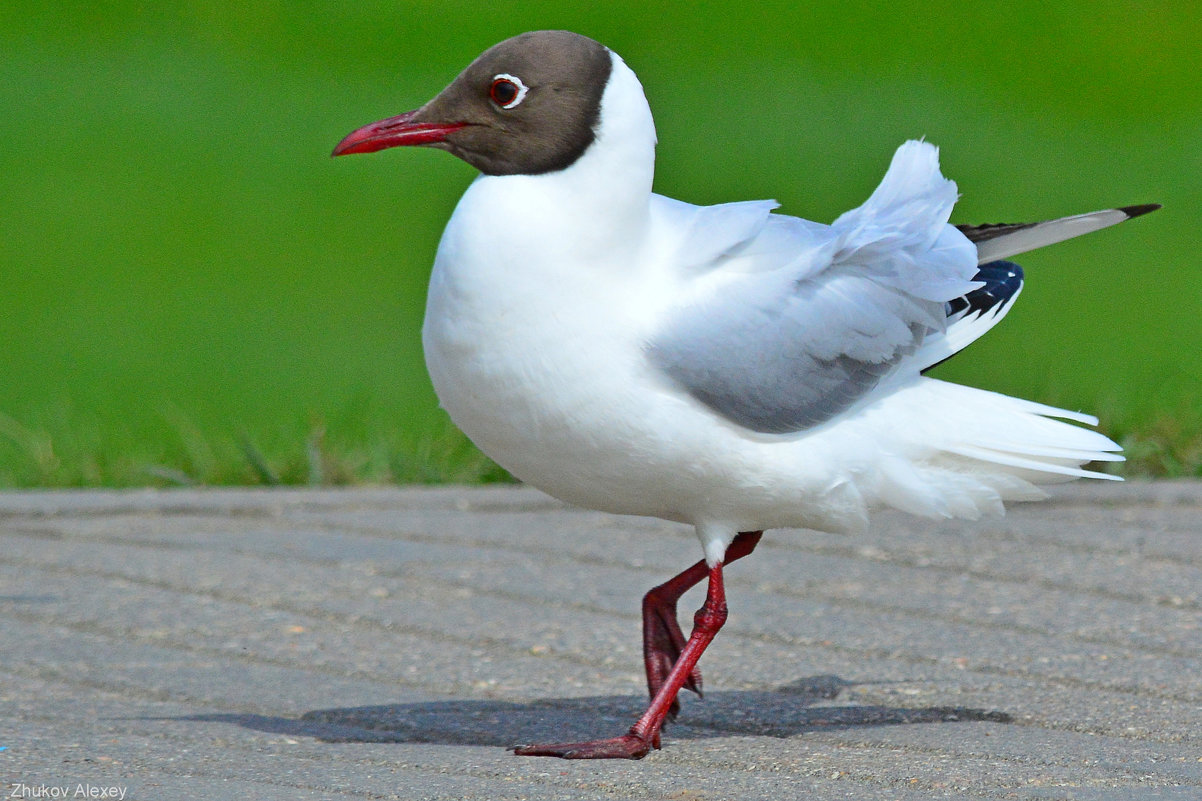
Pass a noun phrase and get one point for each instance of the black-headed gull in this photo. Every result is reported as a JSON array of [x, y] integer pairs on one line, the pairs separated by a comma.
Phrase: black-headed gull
[[721, 366]]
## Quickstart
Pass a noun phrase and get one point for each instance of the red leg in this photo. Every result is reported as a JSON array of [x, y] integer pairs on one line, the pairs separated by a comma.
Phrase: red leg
[[662, 638], [645, 733]]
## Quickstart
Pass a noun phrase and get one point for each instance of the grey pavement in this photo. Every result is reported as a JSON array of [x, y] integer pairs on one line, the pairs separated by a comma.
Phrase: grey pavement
[[390, 643]]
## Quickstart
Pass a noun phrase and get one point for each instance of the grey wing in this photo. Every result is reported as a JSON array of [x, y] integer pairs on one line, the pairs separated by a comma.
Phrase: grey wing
[[780, 346], [781, 359]]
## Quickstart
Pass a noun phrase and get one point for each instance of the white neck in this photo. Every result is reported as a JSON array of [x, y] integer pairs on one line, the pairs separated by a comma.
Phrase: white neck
[[609, 186]]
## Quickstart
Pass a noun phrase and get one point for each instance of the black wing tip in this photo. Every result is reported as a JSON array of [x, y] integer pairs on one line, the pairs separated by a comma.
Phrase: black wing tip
[[1001, 281], [1140, 210]]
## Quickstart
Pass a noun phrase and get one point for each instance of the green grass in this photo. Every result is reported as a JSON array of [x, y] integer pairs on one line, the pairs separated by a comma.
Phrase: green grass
[[72, 451], [192, 291]]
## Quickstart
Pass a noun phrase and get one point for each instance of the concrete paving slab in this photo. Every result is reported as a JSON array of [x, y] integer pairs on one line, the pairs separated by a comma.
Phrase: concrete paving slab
[[390, 643]]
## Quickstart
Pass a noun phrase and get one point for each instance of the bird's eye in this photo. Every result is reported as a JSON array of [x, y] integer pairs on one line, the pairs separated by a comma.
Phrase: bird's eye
[[507, 91]]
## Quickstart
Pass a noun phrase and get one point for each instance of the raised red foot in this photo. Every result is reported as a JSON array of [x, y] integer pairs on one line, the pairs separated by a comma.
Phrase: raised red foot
[[628, 746], [663, 642]]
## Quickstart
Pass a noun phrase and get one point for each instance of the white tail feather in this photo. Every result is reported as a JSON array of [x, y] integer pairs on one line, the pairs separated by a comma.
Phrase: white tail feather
[[975, 449], [1063, 467]]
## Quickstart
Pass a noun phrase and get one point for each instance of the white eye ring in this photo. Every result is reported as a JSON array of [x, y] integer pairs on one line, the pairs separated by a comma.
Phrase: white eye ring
[[516, 81]]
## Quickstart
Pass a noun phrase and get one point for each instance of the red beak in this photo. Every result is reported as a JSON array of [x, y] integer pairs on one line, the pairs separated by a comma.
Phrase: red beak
[[394, 132]]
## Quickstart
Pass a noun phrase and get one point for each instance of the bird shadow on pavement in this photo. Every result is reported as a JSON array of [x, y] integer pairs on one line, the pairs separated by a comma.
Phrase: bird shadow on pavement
[[792, 709]]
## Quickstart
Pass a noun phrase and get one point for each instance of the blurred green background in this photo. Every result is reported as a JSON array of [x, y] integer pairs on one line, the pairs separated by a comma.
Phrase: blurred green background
[[191, 290]]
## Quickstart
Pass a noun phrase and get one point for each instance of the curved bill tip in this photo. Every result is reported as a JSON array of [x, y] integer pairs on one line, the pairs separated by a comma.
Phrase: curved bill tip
[[397, 131]]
